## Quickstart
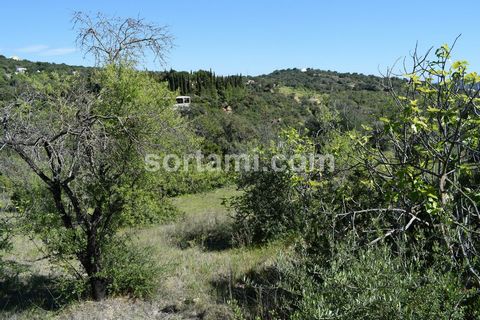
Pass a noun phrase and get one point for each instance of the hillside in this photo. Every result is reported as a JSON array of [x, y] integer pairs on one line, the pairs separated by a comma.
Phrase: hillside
[[229, 111], [326, 81], [9, 66]]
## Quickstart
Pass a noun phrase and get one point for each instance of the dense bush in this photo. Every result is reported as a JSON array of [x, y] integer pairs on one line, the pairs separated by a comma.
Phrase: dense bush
[[191, 181], [373, 284], [366, 283], [407, 183], [130, 269], [273, 201]]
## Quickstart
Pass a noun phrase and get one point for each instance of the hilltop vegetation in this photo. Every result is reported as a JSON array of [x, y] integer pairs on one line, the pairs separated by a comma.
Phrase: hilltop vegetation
[[9, 66], [230, 112], [9, 74]]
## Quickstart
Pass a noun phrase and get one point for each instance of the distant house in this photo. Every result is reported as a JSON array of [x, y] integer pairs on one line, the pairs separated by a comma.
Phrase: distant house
[[227, 109], [20, 70], [183, 102], [15, 58]]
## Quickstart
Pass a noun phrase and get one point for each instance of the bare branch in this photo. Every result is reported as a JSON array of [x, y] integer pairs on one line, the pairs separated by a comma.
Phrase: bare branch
[[118, 40]]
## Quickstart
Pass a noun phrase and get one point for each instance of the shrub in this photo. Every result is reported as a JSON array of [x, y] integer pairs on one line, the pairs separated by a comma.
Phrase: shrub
[[129, 269], [147, 208], [374, 284], [5, 220], [371, 283], [210, 231], [191, 181], [274, 201]]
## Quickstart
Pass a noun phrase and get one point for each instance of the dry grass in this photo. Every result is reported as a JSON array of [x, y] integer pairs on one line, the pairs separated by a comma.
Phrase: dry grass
[[191, 268], [28, 252]]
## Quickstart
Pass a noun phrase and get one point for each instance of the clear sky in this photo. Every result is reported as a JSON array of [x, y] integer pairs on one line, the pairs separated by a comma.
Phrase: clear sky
[[257, 37]]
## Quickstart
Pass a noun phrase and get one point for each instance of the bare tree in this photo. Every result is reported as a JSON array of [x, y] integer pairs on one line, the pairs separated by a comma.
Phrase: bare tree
[[112, 40]]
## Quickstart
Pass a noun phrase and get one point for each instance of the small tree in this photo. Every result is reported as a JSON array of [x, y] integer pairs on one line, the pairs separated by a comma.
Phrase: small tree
[[425, 160], [84, 140]]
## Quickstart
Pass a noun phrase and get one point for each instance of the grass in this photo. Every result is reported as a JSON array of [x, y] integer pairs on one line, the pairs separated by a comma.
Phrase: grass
[[204, 203], [27, 252], [191, 268], [302, 93], [192, 257]]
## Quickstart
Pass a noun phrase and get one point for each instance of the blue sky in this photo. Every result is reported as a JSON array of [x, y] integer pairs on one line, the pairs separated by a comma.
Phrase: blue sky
[[256, 37]]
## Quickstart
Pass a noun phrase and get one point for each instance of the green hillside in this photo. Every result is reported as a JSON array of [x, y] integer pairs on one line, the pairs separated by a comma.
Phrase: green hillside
[[229, 111]]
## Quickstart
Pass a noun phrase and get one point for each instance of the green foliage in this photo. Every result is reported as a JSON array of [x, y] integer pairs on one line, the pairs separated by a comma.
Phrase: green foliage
[[279, 202], [373, 284], [260, 106], [367, 283], [202, 82], [424, 161], [87, 176], [6, 215], [326, 81], [273, 200], [146, 208], [130, 269], [8, 66], [405, 186]]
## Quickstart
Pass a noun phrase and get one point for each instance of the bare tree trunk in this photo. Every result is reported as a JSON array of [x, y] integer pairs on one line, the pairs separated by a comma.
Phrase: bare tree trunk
[[92, 264], [98, 288]]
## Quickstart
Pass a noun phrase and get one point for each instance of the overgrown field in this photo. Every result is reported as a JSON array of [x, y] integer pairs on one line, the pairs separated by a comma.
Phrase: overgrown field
[[198, 270]]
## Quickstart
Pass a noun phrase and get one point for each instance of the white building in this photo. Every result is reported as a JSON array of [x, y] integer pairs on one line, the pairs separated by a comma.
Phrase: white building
[[183, 102], [20, 70]]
